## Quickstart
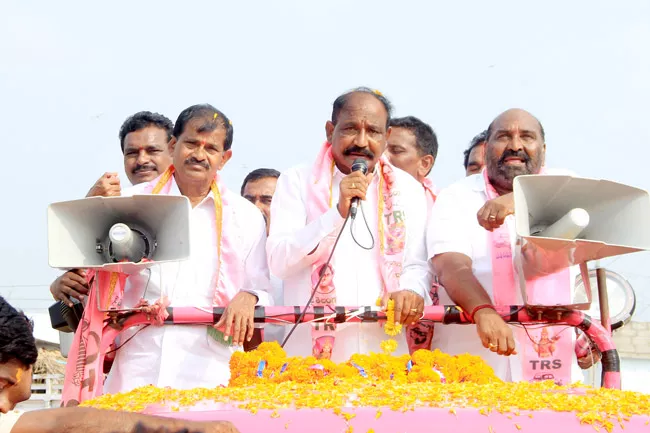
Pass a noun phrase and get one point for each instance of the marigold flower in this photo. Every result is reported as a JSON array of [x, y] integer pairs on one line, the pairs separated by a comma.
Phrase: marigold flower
[[398, 383]]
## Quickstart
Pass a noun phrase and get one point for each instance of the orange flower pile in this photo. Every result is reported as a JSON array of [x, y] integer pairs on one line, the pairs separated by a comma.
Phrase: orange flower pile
[[386, 382], [267, 379]]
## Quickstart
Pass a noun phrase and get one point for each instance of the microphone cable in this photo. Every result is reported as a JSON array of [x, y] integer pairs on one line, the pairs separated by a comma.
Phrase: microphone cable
[[322, 274], [372, 239]]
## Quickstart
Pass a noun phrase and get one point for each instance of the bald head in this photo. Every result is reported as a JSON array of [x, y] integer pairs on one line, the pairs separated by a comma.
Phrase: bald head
[[515, 146], [515, 113]]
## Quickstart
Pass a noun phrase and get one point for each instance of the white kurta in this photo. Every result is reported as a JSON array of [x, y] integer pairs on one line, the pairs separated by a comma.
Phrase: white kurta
[[356, 271], [184, 356], [453, 227]]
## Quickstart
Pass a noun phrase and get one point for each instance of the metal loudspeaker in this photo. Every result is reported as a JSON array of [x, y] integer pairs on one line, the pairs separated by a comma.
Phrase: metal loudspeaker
[[123, 234], [563, 221]]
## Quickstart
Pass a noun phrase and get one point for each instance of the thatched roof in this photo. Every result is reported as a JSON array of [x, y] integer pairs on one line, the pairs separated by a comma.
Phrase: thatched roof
[[49, 362]]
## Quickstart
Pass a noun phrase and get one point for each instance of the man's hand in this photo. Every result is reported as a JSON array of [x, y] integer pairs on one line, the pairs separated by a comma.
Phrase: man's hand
[[409, 306], [494, 333], [72, 283], [353, 185], [494, 212], [106, 186], [238, 318]]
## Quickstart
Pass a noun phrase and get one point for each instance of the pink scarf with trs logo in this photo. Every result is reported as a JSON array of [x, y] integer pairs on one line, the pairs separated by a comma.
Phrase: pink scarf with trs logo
[[392, 231], [547, 353]]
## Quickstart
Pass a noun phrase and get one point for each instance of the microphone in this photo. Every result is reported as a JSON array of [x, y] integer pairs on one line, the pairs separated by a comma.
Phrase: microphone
[[361, 165]]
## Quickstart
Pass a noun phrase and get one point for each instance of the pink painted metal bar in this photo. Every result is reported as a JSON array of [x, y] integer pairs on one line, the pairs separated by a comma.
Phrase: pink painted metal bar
[[446, 314]]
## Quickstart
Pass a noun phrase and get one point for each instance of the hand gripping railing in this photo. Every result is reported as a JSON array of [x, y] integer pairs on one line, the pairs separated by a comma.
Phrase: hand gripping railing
[[444, 314]]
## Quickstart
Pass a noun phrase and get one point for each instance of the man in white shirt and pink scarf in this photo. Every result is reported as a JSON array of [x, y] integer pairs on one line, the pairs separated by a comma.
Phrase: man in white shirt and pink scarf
[[471, 237], [227, 268], [309, 208]]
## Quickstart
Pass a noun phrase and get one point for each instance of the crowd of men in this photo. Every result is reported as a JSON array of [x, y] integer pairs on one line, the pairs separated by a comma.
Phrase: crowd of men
[[287, 239]]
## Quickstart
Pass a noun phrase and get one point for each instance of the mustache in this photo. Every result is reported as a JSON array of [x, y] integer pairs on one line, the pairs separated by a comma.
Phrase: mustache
[[359, 150], [191, 160], [512, 154], [147, 166]]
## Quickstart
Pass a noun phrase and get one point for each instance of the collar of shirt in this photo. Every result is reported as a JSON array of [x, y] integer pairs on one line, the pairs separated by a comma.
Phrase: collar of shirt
[[174, 190], [477, 182]]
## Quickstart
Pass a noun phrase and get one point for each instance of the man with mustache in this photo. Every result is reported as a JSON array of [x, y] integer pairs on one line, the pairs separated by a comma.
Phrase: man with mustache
[[309, 209], [143, 140], [474, 156], [474, 265], [227, 268]]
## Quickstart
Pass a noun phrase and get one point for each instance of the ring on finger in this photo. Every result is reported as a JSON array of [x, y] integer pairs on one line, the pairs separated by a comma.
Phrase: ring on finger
[[493, 346], [492, 217], [353, 185]]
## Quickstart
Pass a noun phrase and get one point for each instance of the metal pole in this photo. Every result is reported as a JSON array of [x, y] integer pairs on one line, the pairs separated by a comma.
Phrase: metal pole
[[603, 300]]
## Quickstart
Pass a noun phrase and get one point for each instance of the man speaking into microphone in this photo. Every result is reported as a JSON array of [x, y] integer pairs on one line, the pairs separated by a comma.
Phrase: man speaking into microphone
[[313, 204]]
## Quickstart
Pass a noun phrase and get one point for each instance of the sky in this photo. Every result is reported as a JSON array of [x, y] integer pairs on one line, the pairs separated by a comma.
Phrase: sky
[[71, 72]]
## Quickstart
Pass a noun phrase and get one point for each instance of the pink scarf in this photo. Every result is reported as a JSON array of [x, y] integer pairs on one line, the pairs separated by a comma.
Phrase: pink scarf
[[84, 378], [420, 335], [546, 353], [391, 227], [84, 371], [431, 192]]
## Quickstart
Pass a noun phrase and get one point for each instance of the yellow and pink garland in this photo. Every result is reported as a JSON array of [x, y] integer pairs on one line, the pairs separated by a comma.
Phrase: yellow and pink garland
[[267, 379]]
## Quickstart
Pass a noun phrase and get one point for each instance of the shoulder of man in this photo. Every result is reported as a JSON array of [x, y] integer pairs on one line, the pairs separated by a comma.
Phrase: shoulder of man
[[8, 420], [135, 190], [300, 172], [466, 186], [405, 180]]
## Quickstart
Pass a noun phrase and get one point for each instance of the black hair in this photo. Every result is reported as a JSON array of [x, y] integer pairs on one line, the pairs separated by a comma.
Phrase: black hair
[[339, 103], [142, 120], [214, 117], [16, 336], [425, 137], [260, 173], [477, 140]]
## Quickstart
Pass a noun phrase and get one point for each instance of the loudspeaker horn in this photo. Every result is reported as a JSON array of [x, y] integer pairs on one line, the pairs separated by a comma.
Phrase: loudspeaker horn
[[563, 221], [122, 234]]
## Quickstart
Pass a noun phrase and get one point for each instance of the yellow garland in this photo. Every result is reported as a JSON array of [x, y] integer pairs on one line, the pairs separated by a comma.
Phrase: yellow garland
[[469, 383], [218, 208], [390, 327]]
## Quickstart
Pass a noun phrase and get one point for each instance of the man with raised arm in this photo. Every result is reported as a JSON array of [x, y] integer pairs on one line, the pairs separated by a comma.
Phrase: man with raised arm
[[143, 140], [308, 211], [471, 237], [227, 267]]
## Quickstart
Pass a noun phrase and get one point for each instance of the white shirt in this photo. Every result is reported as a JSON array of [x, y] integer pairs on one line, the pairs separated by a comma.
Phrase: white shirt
[[356, 271], [8, 420], [453, 227], [184, 356]]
